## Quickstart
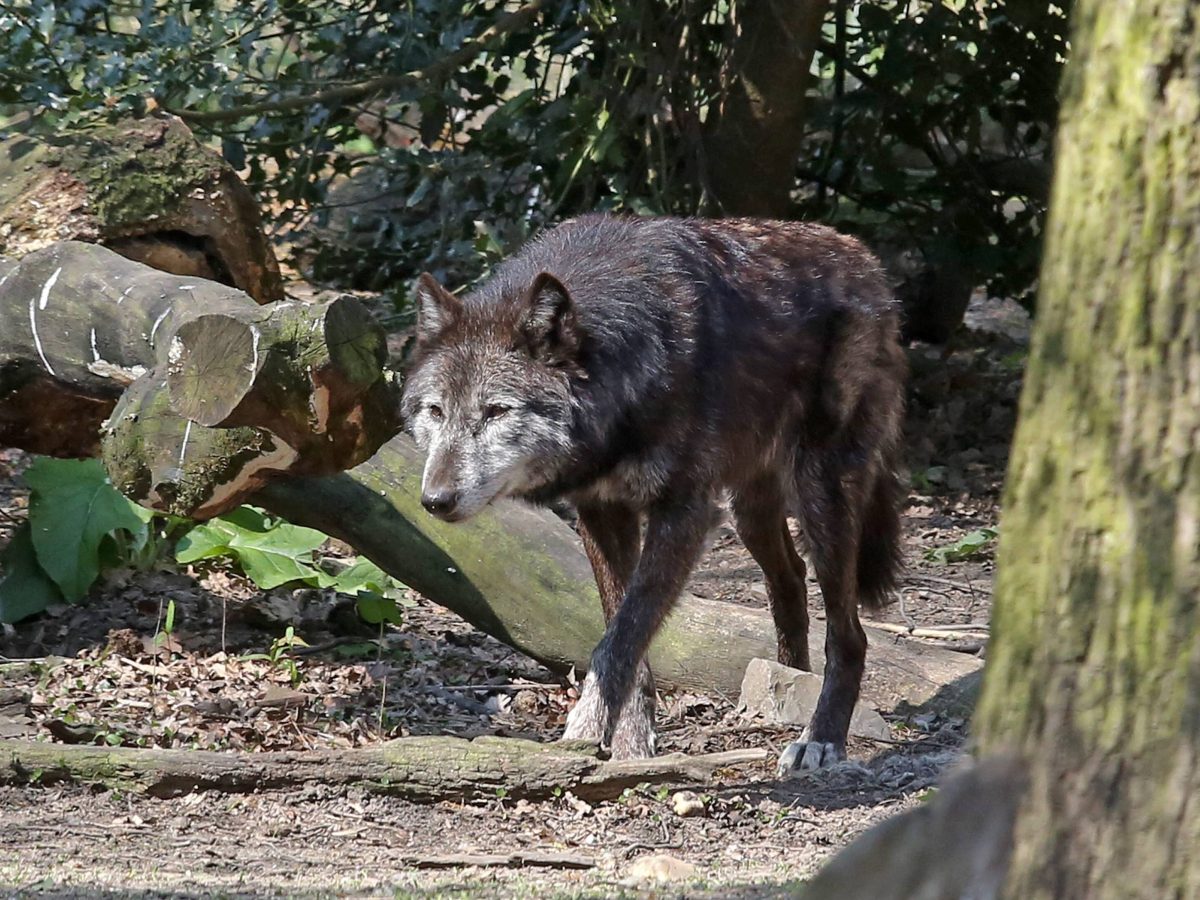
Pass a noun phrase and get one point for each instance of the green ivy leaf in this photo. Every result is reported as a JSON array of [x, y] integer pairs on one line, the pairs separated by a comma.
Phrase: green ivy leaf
[[72, 508]]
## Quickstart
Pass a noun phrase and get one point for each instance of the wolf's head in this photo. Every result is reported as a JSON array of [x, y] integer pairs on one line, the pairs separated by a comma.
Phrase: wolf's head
[[488, 393]]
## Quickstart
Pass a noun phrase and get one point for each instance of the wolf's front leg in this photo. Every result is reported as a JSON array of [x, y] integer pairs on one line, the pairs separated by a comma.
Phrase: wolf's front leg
[[633, 735], [612, 537], [675, 533]]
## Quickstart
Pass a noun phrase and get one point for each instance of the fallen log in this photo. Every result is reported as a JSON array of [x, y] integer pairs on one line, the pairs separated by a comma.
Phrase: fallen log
[[208, 392], [416, 768], [145, 188], [518, 573]]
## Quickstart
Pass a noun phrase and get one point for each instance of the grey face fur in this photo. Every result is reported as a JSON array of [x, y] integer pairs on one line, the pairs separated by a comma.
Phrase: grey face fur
[[493, 417]]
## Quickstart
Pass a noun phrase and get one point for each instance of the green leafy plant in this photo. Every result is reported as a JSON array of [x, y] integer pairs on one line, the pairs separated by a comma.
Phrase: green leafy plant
[[77, 520], [79, 525], [969, 546], [272, 552], [930, 123], [280, 653]]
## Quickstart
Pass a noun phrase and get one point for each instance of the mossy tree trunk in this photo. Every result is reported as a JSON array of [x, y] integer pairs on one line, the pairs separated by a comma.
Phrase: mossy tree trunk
[[1094, 669]]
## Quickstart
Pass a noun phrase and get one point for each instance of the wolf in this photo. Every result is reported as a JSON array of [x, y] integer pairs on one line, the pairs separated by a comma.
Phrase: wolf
[[647, 369]]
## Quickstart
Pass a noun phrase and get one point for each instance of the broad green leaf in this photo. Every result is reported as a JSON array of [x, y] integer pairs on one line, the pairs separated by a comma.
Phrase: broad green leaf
[[363, 575], [204, 542], [25, 589], [271, 568], [376, 609], [72, 507], [270, 553]]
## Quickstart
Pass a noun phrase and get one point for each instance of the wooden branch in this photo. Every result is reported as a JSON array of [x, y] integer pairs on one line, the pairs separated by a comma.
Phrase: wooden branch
[[351, 93], [519, 574], [416, 768]]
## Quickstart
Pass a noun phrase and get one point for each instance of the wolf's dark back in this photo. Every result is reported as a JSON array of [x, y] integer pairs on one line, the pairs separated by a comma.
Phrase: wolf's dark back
[[660, 298]]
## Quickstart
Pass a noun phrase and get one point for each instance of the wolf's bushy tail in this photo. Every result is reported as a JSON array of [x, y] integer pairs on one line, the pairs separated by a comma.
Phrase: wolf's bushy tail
[[880, 554]]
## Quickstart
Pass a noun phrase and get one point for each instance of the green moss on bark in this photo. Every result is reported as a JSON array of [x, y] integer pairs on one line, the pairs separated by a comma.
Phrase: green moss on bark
[[129, 186]]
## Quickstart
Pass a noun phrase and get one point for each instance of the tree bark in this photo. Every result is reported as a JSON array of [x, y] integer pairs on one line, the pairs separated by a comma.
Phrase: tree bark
[[1094, 675], [415, 768], [753, 138], [519, 574], [215, 392], [146, 189]]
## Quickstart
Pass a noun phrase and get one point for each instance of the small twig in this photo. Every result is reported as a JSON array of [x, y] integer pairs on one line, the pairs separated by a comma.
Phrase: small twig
[[904, 612], [504, 688], [919, 632], [653, 845], [972, 649], [518, 860], [382, 701], [963, 587]]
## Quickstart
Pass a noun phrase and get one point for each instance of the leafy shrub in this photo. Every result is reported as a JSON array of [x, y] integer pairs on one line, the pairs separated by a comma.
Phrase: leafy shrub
[[79, 525], [931, 122]]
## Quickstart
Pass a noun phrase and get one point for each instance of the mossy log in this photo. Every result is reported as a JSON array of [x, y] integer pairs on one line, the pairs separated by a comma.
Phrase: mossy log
[[519, 574], [208, 392], [416, 768], [144, 188]]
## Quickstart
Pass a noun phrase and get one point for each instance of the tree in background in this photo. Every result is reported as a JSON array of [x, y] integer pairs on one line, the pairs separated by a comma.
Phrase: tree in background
[[1093, 675], [438, 134]]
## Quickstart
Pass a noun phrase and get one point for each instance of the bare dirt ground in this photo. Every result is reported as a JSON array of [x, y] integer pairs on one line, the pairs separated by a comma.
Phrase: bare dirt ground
[[435, 674]]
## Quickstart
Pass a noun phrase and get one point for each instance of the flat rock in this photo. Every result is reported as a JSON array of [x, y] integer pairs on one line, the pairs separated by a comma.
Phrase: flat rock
[[660, 867], [789, 696]]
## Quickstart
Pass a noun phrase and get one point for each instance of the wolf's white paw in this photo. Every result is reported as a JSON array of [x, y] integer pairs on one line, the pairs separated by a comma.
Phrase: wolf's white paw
[[634, 738], [586, 721], [806, 756]]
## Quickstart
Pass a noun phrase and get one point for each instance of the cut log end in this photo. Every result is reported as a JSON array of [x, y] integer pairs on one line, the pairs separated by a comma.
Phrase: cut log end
[[212, 363]]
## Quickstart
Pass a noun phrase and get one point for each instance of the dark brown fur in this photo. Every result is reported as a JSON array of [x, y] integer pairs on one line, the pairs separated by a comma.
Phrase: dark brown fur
[[641, 367]]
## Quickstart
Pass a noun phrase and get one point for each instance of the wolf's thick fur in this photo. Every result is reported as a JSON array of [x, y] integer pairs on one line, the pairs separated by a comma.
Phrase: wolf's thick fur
[[642, 367]]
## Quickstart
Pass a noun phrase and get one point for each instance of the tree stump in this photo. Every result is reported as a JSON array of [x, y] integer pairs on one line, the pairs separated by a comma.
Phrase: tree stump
[[146, 189]]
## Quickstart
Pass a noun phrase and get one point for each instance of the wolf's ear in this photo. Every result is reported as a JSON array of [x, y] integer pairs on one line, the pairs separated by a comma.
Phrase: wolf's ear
[[436, 308], [549, 325]]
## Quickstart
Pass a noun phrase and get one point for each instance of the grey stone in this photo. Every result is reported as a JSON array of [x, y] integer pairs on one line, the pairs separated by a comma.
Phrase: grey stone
[[789, 696]]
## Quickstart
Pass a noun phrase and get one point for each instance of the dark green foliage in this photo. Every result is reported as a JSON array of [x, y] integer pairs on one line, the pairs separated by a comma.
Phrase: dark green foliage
[[935, 130], [930, 128]]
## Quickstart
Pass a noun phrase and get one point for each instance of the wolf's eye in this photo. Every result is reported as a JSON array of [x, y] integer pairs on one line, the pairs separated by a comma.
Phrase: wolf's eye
[[495, 411], [435, 410]]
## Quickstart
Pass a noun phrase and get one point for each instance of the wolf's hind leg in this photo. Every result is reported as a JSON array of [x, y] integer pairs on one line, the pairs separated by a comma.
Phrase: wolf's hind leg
[[759, 515], [675, 534], [611, 534], [830, 511]]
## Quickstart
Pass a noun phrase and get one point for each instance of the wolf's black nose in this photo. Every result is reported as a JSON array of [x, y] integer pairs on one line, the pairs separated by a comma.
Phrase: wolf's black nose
[[440, 502]]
